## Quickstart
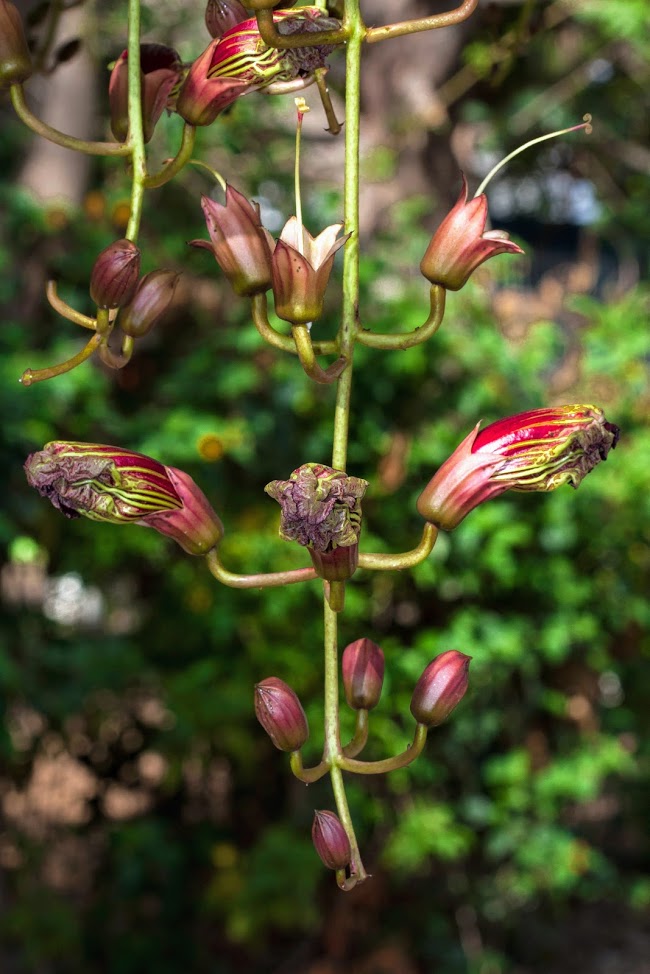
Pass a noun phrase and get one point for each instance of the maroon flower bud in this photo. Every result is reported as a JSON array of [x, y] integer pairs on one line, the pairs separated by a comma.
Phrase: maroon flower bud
[[363, 674], [107, 483], [461, 243], [240, 62], [301, 267], [321, 510], [221, 15], [537, 450], [160, 70], [440, 688], [280, 713], [151, 300], [238, 242], [115, 274], [330, 840], [15, 60]]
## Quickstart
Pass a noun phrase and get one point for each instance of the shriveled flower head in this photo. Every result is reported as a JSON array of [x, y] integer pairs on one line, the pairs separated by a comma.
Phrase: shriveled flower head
[[238, 242], [239, 62], [461, 243], [108, 483], [301, 266], [538, 450]]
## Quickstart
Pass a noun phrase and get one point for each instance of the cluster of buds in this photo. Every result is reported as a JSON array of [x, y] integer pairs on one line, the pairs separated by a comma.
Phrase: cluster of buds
[[115, 282]]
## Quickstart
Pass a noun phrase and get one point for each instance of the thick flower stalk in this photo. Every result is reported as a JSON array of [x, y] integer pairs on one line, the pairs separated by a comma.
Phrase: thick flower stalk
[[240, 62], [107, 483], [461, 243], [538, 450], [321, 510]]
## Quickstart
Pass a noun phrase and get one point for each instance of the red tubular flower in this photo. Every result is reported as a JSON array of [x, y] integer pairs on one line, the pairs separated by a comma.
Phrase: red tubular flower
[[440, 688], [240, 61], [160, 69], [15, 59], [330, 840], [537, 450], [362, 665], [114, 276], [280, 713], [238, 242], [301, 267], [461, 243], [107, 483]]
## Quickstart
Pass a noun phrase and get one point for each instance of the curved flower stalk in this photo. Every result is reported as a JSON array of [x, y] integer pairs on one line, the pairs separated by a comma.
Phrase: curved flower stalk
[[107, 483], [538, 450]]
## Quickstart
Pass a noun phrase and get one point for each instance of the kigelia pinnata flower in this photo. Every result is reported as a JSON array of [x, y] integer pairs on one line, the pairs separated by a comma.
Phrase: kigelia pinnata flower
[[280, 713], [108, 483], [239, 62], [362, 668], [330, 840], [301, 266], [321, 510], [160, 71], [238, 242], [461, 243], [537, 450]]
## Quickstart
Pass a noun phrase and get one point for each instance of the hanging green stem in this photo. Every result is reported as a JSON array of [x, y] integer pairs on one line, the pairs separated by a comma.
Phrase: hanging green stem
[[379, 561], [136, 132], [416, 337], [457, 16], [60, 138], [261, 580], [174, 166]]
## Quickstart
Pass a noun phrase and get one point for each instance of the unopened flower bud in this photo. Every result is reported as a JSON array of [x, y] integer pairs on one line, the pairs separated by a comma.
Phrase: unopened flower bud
[[363, 674], [461, 243], [440, 688], [321, 510], [15, 60], [115, 274], [280, 713], [107, 483], [330, 840], [221, 15], [151, 300], [160, 70], [538, 450]]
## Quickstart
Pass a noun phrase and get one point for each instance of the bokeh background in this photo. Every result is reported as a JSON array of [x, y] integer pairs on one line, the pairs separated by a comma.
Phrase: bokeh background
[[147, 821]]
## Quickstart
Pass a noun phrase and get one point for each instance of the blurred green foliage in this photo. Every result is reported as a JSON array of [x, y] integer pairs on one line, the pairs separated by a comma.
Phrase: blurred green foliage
[[191, 849]]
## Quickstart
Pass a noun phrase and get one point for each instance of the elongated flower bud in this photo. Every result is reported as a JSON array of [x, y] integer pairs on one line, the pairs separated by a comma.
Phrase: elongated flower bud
[[114, 276], [363, 674], [538, 450], [151, 300], [440, 688], [15, 60], [107, 483], [280, 713], [321, 510], [330, 840]]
